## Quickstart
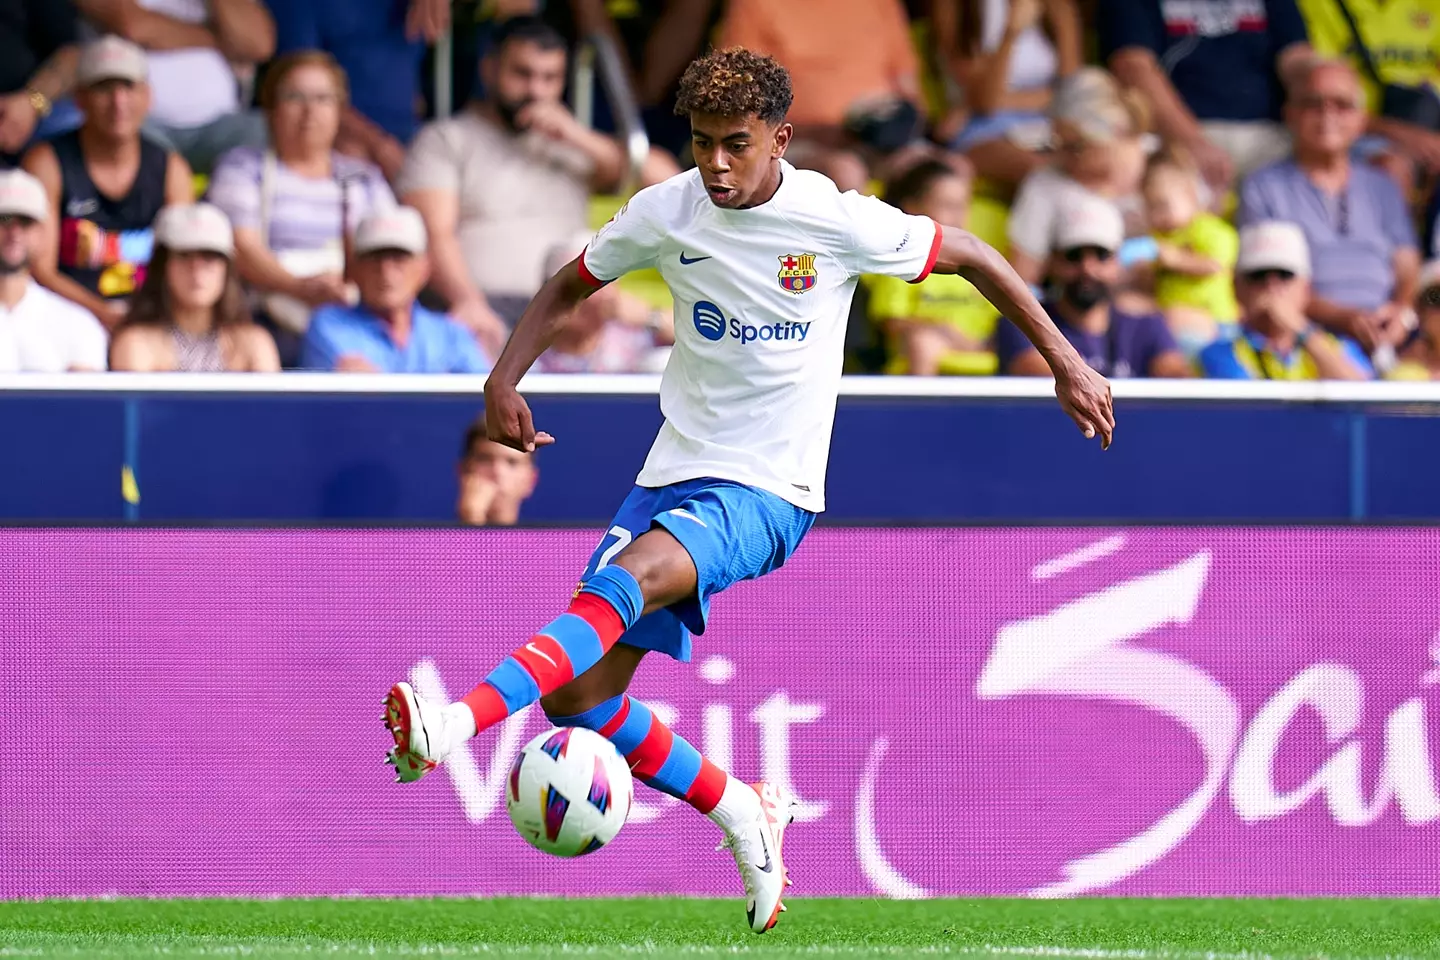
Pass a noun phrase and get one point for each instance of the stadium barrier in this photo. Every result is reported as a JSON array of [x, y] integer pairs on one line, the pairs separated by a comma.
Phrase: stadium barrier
[[1166, 711], [305, 447]]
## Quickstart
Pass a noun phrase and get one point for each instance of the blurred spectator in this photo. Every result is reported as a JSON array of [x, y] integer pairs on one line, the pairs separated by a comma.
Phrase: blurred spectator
[[1195, 255], [1360, 234], [506, 180], [106, 183], [1420, 360], [389, 331], [293, 206], [190, 315], [39, 332], [494, 480], [1084, 271], [378, 45], [38, 51], [611, 331], [1098, 128], [1277, 340], [1006, 55], [1214, 72], [1431, 219], [854, 72], [941, 325], [657, 39], [1395, 48], [194, 49]]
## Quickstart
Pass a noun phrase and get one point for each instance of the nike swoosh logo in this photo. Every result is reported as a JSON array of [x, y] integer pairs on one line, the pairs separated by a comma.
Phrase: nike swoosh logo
[[685, 262], [767, 866], [541, 654]]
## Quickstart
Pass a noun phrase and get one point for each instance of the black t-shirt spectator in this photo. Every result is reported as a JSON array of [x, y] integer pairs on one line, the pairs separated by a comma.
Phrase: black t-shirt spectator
[[1220, 54], [30, 32]]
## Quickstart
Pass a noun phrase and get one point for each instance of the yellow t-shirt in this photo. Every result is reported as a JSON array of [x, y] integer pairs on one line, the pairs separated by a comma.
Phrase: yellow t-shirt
[[1403, 37], [939, 298], [1211, 237]]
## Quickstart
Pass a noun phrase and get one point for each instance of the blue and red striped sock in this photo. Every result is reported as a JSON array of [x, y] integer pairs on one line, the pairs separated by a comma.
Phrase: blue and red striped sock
[[656, 755], [607, 606]]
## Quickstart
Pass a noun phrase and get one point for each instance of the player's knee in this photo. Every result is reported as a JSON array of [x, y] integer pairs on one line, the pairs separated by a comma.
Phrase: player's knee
[[660, 565], [566, 702]]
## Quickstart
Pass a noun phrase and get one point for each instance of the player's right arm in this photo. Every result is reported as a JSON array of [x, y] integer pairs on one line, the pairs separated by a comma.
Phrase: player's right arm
[[507, 415], [628, 242]]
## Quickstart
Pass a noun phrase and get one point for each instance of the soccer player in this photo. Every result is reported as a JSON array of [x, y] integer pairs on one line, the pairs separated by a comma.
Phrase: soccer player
[[762, 260]]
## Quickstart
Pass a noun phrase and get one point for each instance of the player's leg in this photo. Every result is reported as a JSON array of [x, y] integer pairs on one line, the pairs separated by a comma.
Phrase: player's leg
[[654, 572]]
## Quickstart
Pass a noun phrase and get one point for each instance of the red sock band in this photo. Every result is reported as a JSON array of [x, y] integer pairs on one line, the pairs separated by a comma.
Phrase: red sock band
[[602, 617], [485, 703], [647, 759], [705, 792], [545, 660]]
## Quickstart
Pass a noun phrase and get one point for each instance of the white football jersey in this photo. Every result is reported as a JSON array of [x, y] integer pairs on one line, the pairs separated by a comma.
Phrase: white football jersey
[[761, 301]]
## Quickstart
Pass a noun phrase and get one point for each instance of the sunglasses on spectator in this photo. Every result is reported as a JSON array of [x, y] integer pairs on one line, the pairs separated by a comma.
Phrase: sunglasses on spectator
[[1265, 276], [1078, 254]]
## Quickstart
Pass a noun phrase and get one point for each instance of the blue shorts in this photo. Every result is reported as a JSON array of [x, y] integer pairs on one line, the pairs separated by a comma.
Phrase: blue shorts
[[733, 532]]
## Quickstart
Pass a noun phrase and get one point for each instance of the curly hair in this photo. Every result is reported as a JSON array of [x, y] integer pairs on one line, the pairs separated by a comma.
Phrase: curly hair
[[734, 83]]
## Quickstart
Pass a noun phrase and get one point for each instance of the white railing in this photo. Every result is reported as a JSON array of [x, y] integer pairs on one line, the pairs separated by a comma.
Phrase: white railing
[[979, 388]]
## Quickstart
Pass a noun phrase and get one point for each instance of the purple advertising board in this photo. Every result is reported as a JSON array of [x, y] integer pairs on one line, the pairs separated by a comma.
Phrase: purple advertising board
[[962, 711]]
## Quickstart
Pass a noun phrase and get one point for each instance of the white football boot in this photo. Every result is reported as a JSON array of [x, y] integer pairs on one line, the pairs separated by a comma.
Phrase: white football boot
[[757, 850], [419, 730]]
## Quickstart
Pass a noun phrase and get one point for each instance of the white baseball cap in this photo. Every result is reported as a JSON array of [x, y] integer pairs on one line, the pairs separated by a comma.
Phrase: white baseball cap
[[111, 58], [1273, 245], [1089, 221], [21, 195], [400, 229], [1429, 277], [195, 228]]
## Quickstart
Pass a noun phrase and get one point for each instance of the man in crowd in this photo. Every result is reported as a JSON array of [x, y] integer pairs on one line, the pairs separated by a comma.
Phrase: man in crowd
[[106, 183], [194, 48], [494, 480], [1403, 40], [1214, 72], [855, 76], [1084, 271], [39, 332], [506, 180], [1357, 226], [389, 331], [38, 51], [1277, 341]]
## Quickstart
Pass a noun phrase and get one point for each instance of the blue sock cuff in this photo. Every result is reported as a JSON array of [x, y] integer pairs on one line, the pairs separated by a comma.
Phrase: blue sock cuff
[[594, 718], [618, 587]]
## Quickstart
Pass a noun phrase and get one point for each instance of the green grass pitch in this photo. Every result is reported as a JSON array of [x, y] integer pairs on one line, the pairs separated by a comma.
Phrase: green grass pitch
[[1100, 929]]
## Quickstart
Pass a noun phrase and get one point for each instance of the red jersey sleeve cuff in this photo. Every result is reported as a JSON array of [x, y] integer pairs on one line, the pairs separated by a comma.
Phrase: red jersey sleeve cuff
[[595, 281], [934, 252]]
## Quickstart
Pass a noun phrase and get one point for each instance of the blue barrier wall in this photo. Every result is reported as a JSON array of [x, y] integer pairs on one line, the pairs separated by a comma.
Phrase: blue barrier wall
[[362, 456]]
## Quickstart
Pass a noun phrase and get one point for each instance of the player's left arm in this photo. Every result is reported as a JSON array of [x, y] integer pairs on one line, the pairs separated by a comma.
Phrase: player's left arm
[[1083, 393]]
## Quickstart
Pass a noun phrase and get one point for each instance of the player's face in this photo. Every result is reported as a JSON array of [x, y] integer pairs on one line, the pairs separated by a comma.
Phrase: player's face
[[737, 157]]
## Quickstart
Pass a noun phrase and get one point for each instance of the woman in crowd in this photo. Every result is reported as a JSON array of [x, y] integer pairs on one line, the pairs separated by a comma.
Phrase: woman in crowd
[[293, 206], [1007, 55], [190, 315], [1099, 130], [1420, 358]]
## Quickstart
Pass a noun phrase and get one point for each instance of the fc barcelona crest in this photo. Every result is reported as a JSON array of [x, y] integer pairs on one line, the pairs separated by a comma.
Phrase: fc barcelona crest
[[797, 272]]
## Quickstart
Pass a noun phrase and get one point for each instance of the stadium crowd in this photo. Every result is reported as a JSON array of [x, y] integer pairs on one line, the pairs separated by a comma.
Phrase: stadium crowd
[[1219, 188]]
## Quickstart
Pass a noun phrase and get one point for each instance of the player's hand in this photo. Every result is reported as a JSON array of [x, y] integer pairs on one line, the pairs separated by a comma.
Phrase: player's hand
[[508, 420], [1085, 396]]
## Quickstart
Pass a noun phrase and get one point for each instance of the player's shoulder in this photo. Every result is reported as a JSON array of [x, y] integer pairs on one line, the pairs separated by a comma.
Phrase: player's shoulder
[[816, 205], [670, 199]]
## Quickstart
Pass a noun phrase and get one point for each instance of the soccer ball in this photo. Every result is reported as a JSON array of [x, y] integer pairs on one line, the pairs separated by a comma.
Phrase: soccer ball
[[569, 792]]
